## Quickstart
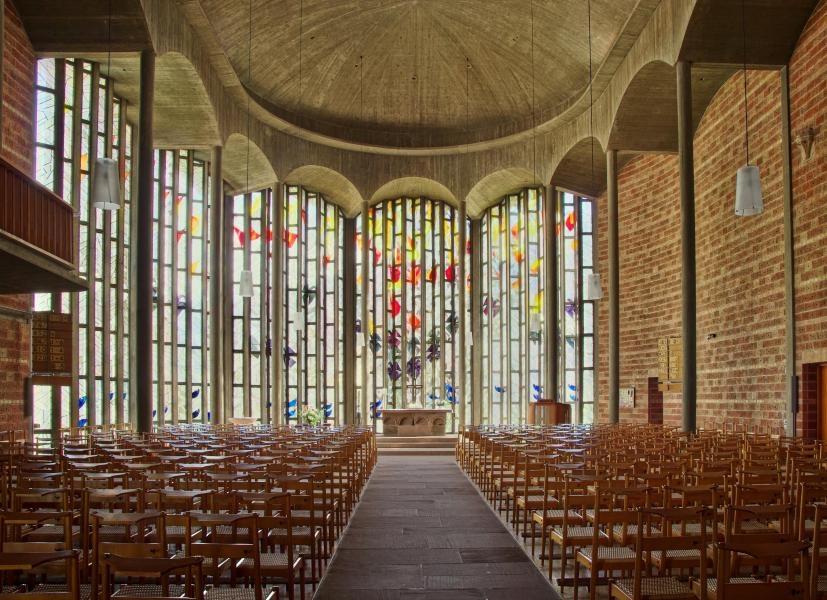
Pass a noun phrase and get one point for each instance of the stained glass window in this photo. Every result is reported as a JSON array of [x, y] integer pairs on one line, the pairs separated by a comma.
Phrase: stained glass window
[[512, 289], [252, 248], [312, 348], [63, 164], [576, 345], [413, 326], [180, 284]]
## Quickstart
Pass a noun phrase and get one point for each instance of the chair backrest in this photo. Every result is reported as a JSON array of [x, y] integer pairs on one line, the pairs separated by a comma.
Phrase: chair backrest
[[227, 536], [650, 539], [158, 569], [765, 552]]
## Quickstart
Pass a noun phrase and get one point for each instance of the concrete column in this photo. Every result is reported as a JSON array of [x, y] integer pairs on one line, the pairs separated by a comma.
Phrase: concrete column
[[462, 378], [216, 299], [614, 288], [228, 292], [686, 161], [551, 317], [364, 411], [143, 246], [349, 319], [476, 322], [276, 334], [789, 258]]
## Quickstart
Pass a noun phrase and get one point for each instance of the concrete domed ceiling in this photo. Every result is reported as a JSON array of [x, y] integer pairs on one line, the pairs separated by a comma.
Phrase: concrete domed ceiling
[[411, 92]]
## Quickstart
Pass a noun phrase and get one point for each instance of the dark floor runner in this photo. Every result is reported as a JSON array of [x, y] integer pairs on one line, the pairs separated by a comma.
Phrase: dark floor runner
[[421, 531]]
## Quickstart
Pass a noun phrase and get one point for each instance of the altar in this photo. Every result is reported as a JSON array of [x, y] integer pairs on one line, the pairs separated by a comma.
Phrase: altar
[[414, 421]]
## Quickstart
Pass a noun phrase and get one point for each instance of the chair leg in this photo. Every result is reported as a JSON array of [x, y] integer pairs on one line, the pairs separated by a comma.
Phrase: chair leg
[[301, 580]]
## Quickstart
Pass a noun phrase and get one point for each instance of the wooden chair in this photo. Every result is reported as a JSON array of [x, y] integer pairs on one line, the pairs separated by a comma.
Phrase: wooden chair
[[602, 555], [156, 569], [24, 562], [286, 565], [643, 587]]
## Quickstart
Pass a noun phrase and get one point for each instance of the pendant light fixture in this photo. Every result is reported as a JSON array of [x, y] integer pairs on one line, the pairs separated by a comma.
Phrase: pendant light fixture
[[592, 290], [245, 284], [106, 181], [245, 288], [749, 199]]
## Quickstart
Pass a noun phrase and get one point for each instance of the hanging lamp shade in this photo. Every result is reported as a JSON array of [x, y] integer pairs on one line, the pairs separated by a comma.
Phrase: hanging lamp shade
[[246, 284], [593, 290], [106, 185], [748, 197]]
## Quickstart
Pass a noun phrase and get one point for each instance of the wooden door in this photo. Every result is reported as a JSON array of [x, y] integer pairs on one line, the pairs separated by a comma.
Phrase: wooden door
[[822, 401]]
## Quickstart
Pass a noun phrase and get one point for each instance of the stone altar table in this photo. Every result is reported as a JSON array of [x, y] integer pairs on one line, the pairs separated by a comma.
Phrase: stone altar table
[[414, 421]]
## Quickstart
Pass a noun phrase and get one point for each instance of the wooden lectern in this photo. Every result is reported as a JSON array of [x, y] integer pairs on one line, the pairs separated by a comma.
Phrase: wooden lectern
[[548, 412]]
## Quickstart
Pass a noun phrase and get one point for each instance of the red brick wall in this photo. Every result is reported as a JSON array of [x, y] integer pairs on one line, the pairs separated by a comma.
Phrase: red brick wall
[[740, 261], [649, 239], [808, 107], [18, 148]]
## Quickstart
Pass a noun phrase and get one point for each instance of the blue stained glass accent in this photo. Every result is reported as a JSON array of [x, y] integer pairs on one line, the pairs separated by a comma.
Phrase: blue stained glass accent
[[81, 401], [196, 393], [83, 422], [195, 413]]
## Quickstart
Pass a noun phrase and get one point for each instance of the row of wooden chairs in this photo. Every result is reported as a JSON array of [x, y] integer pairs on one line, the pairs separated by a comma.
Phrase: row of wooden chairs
[[195, 512], [597, 494]]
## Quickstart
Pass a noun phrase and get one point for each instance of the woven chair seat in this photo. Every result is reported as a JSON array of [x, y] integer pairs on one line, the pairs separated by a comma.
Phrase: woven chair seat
[[149, 590], [662, 588], [688, 553], [687, 528], [576, 532], [267, 559], [631, 530], [554, 515], [712, 583], [51, 588], [610, 552], [304, 531], [232, 593]]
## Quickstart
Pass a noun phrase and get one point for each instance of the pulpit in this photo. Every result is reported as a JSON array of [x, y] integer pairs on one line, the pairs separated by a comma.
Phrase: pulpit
[[548, 412]]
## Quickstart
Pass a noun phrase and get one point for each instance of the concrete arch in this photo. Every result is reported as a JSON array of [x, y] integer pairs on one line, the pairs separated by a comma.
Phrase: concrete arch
[[575, 171], [334, 186], [490, 189], [647, 116], [190, 124], [235, 171], [413, 187]]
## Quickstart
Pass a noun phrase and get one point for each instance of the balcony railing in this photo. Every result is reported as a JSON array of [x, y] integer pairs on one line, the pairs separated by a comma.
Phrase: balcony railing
[[35, 215]]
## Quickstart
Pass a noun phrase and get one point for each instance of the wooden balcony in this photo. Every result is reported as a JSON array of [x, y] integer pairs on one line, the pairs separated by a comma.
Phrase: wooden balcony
[[37, 242]]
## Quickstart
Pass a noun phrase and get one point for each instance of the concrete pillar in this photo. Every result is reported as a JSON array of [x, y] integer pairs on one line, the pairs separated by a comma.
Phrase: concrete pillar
[[216, 299], [614, 288], [686, 162], [476, 322], [277, 407], [349, 320], [551, 316], [143, 246]]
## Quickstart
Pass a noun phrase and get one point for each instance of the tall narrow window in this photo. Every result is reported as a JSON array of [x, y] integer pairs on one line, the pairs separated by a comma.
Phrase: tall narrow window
[[313, 271], [412, 333], [181, 276], [512, 307], [576, 347], [79, 119], [252, 240]]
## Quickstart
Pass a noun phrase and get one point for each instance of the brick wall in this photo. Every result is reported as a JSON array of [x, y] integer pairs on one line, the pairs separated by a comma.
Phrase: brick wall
[[18, 149], [740, 261], [808, 107]]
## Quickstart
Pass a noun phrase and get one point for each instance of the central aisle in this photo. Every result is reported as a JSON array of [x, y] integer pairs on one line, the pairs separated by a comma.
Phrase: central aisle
[[422, 531]]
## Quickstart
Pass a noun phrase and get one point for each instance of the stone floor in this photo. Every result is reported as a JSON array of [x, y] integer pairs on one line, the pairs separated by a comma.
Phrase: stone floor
[[422, 531]]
